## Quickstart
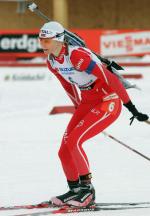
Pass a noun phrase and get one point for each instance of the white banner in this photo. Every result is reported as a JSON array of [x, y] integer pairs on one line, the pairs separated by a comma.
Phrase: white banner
[[123, 44]]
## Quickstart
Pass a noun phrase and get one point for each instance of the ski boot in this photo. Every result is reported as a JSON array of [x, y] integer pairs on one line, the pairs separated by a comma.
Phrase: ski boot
[[61, 200], [86, 195]]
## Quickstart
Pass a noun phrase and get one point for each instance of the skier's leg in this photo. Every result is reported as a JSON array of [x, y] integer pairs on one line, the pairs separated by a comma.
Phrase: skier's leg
[[93, 123], [64, 153], [67, 160]]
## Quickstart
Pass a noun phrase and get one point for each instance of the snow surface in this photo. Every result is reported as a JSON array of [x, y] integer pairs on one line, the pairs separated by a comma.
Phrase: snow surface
[[30, 171]]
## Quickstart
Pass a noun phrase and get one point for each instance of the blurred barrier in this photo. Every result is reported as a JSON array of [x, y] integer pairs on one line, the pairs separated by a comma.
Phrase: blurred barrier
[[23, 74], [62, 109]]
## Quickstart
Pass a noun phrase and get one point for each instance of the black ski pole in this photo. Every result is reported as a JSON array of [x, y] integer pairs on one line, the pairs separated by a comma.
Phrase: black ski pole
[[125, 145], [148, 122]]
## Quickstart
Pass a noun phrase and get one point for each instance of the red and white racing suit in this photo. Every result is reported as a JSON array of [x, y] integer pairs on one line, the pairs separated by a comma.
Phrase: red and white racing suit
[[100, 104]]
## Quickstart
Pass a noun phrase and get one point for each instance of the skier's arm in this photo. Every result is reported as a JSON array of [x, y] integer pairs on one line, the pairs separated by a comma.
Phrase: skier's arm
[[118, 87], [111, 80], [82, 61], [69, 88]]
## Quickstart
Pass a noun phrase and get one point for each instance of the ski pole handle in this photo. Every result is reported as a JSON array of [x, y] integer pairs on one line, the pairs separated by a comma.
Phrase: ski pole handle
[[34, 8]]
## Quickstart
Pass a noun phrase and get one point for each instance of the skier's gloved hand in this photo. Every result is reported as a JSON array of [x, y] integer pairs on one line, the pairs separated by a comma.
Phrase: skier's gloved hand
[[139, 116]]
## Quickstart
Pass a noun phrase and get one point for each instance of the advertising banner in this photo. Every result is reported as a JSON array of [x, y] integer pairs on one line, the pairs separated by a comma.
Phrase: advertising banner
[[125, 44], [19, 43], [108, 43]]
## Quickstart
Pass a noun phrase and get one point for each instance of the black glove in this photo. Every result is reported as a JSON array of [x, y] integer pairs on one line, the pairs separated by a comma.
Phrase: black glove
[[139, 116]]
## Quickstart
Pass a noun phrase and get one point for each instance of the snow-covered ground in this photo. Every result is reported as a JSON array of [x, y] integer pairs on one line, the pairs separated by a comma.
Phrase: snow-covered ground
[[30, 171]]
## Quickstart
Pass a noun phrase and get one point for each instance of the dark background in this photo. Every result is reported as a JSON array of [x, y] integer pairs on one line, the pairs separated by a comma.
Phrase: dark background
[[91, 14]]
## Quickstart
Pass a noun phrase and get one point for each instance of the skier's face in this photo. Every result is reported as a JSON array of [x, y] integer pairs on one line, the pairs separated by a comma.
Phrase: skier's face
[[50, 46]]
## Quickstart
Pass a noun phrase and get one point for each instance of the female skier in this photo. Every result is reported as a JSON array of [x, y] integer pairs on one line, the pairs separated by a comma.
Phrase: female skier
[[99, 106]]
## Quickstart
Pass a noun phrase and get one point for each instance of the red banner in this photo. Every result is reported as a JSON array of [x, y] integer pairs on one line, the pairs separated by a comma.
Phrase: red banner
[[109, 43]]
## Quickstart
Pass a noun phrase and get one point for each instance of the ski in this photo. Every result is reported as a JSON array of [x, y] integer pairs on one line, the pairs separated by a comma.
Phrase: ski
[[68, 209], [123, 203], [94, 208], [48, 204]]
